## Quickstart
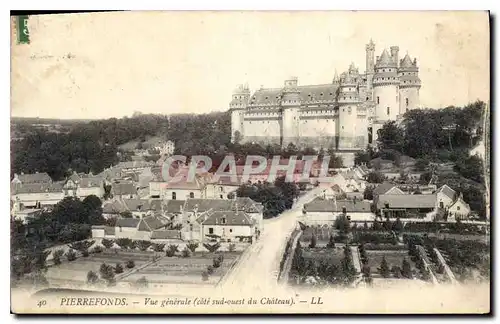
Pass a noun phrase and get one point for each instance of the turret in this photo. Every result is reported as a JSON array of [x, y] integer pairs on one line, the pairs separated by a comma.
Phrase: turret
[[290, 104], [348, 100], [395, 54], [370, 64], [385, 90], [237, 106], [409, 86]]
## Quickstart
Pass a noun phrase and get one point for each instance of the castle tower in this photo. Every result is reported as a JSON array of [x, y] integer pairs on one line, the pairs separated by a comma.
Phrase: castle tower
[[409, 86], [395, 54], [348, 101], [290, 104], [370, 64], [385, 91], [237, 106]]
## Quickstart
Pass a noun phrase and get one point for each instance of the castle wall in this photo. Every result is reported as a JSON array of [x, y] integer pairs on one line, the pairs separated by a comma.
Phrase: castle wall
[[318, 128], [387, 96], [237, 123], [291, 125], [347, 126], [413, 99]]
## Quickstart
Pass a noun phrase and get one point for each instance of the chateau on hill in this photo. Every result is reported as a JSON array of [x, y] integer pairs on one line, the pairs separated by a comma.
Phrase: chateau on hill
[[345, 113]]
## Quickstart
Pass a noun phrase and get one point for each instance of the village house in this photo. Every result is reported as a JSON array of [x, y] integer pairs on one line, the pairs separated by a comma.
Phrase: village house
[[459, 209], [419, 207], [325, 211], [221, 188], [37, 195], [229, 225], [452, 202], [33, 178], [140, 208], [181, 187], [124, 190], [386, 188], [154, 227], [93, 185], [194, 208], [129, 167]]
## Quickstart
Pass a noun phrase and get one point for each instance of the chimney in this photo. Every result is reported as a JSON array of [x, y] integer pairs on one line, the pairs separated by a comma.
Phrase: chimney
[[394, 54]]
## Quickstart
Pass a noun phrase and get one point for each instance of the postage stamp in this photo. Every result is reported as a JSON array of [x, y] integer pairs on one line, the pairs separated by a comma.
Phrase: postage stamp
[[250, 162]]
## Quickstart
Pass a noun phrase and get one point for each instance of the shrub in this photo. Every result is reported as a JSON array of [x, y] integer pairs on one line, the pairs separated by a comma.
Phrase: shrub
[[192, 246], [71, 255], [107, 243], [81, 245], [217, 261], [143, 245], [186, 253], [97, 249], [204, 276], [331, 243], [232, 247], [130, 264], [56, 256], [92, 277], [210, 269], [85, 253], [212, 247], [158, 247], [396, 271], [124, 243], [118, 268], [171, 250], [384, 268]]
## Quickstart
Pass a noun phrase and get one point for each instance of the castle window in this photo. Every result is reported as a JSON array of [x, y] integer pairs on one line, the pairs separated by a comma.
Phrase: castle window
[[331, 94], [267, 98], [383, 70], [378, 100], [388, 110], [407, 102], [342, 127], [367, 98]]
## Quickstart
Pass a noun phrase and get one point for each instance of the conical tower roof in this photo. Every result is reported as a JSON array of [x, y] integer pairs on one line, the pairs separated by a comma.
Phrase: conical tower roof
[[385, 59], [406, 62]]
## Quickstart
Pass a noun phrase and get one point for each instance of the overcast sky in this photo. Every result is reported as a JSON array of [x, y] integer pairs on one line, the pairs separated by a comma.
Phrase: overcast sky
[[102, 65]]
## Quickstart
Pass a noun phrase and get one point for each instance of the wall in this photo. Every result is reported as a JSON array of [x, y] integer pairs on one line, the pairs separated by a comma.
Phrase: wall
[[387, 95], [46, 198], [214, 191], [347, 126], [84, 192], [291, 125], [155, 188], [443, 198], [412, 94], [182, 194], [224, 230], [237, 122]]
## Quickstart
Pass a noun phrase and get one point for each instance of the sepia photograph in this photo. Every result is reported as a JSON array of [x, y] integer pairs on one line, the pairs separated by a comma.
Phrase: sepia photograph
[[250, 162]]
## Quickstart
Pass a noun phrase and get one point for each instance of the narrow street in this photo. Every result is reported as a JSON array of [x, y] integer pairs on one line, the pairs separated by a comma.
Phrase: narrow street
[[258, 268]]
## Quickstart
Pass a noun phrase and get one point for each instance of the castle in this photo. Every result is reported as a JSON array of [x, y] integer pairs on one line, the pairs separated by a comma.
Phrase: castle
[[344, 114]]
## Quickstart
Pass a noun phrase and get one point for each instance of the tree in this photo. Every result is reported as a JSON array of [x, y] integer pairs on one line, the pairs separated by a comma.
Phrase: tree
[[313, 241], [237, 137], [375, 177], [143, 245], [56, 256], [384, 268], [93, 208], [421, 164], [107, 273], [192, 246], [390, 136], [186, 252], [172, 249], [118, 268], [92, 278], [368, 193], [397, 226], [71, 255], [107, 243], [130, 264], [126, 214], [406, 269], [158, 247]]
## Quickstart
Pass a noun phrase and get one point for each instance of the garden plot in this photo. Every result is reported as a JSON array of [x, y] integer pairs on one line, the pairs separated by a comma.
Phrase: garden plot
[[333, 255], [77, 270], [322, 233], [393, 258], [184, 269]]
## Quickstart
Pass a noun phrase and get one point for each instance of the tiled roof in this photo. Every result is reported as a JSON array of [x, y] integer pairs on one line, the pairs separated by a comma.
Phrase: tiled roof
[[383, 188], [229, 218], [328, 205], [406, 62], [41, 177], [38, 188], [134, 164], [450, 193], [385, 59], [241, 203], [114, 207], [155, 222], [307, 93], [127, 222], [174, 206], [137, 204], [407, 201], [90, 182], [124, 188]]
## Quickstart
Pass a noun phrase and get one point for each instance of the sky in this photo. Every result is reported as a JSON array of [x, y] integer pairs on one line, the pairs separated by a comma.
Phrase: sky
[[102, 65]]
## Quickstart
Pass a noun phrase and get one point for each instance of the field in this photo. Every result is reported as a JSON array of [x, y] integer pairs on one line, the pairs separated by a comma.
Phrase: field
[[176, 270], [181, 270]]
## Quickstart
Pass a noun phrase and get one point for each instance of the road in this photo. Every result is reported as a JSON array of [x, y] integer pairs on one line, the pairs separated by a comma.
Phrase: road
[[258, 269]]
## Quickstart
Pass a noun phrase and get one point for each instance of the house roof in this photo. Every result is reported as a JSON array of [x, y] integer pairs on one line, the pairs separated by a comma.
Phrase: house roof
[[90, 182], [460, 200], [134, 164], [37, 188], [335, 206], [155, 222], [127, 222], [137, 204], [174, 206], [447, 191], [307, 93], [41, 177], [383, 188], [228, 217], [74, 177], [407, 201], [241, 203], [114, 207], [124, 188]]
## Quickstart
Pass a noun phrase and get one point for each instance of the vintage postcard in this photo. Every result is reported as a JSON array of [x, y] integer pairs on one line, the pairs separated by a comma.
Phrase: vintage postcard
[[327, 162]]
